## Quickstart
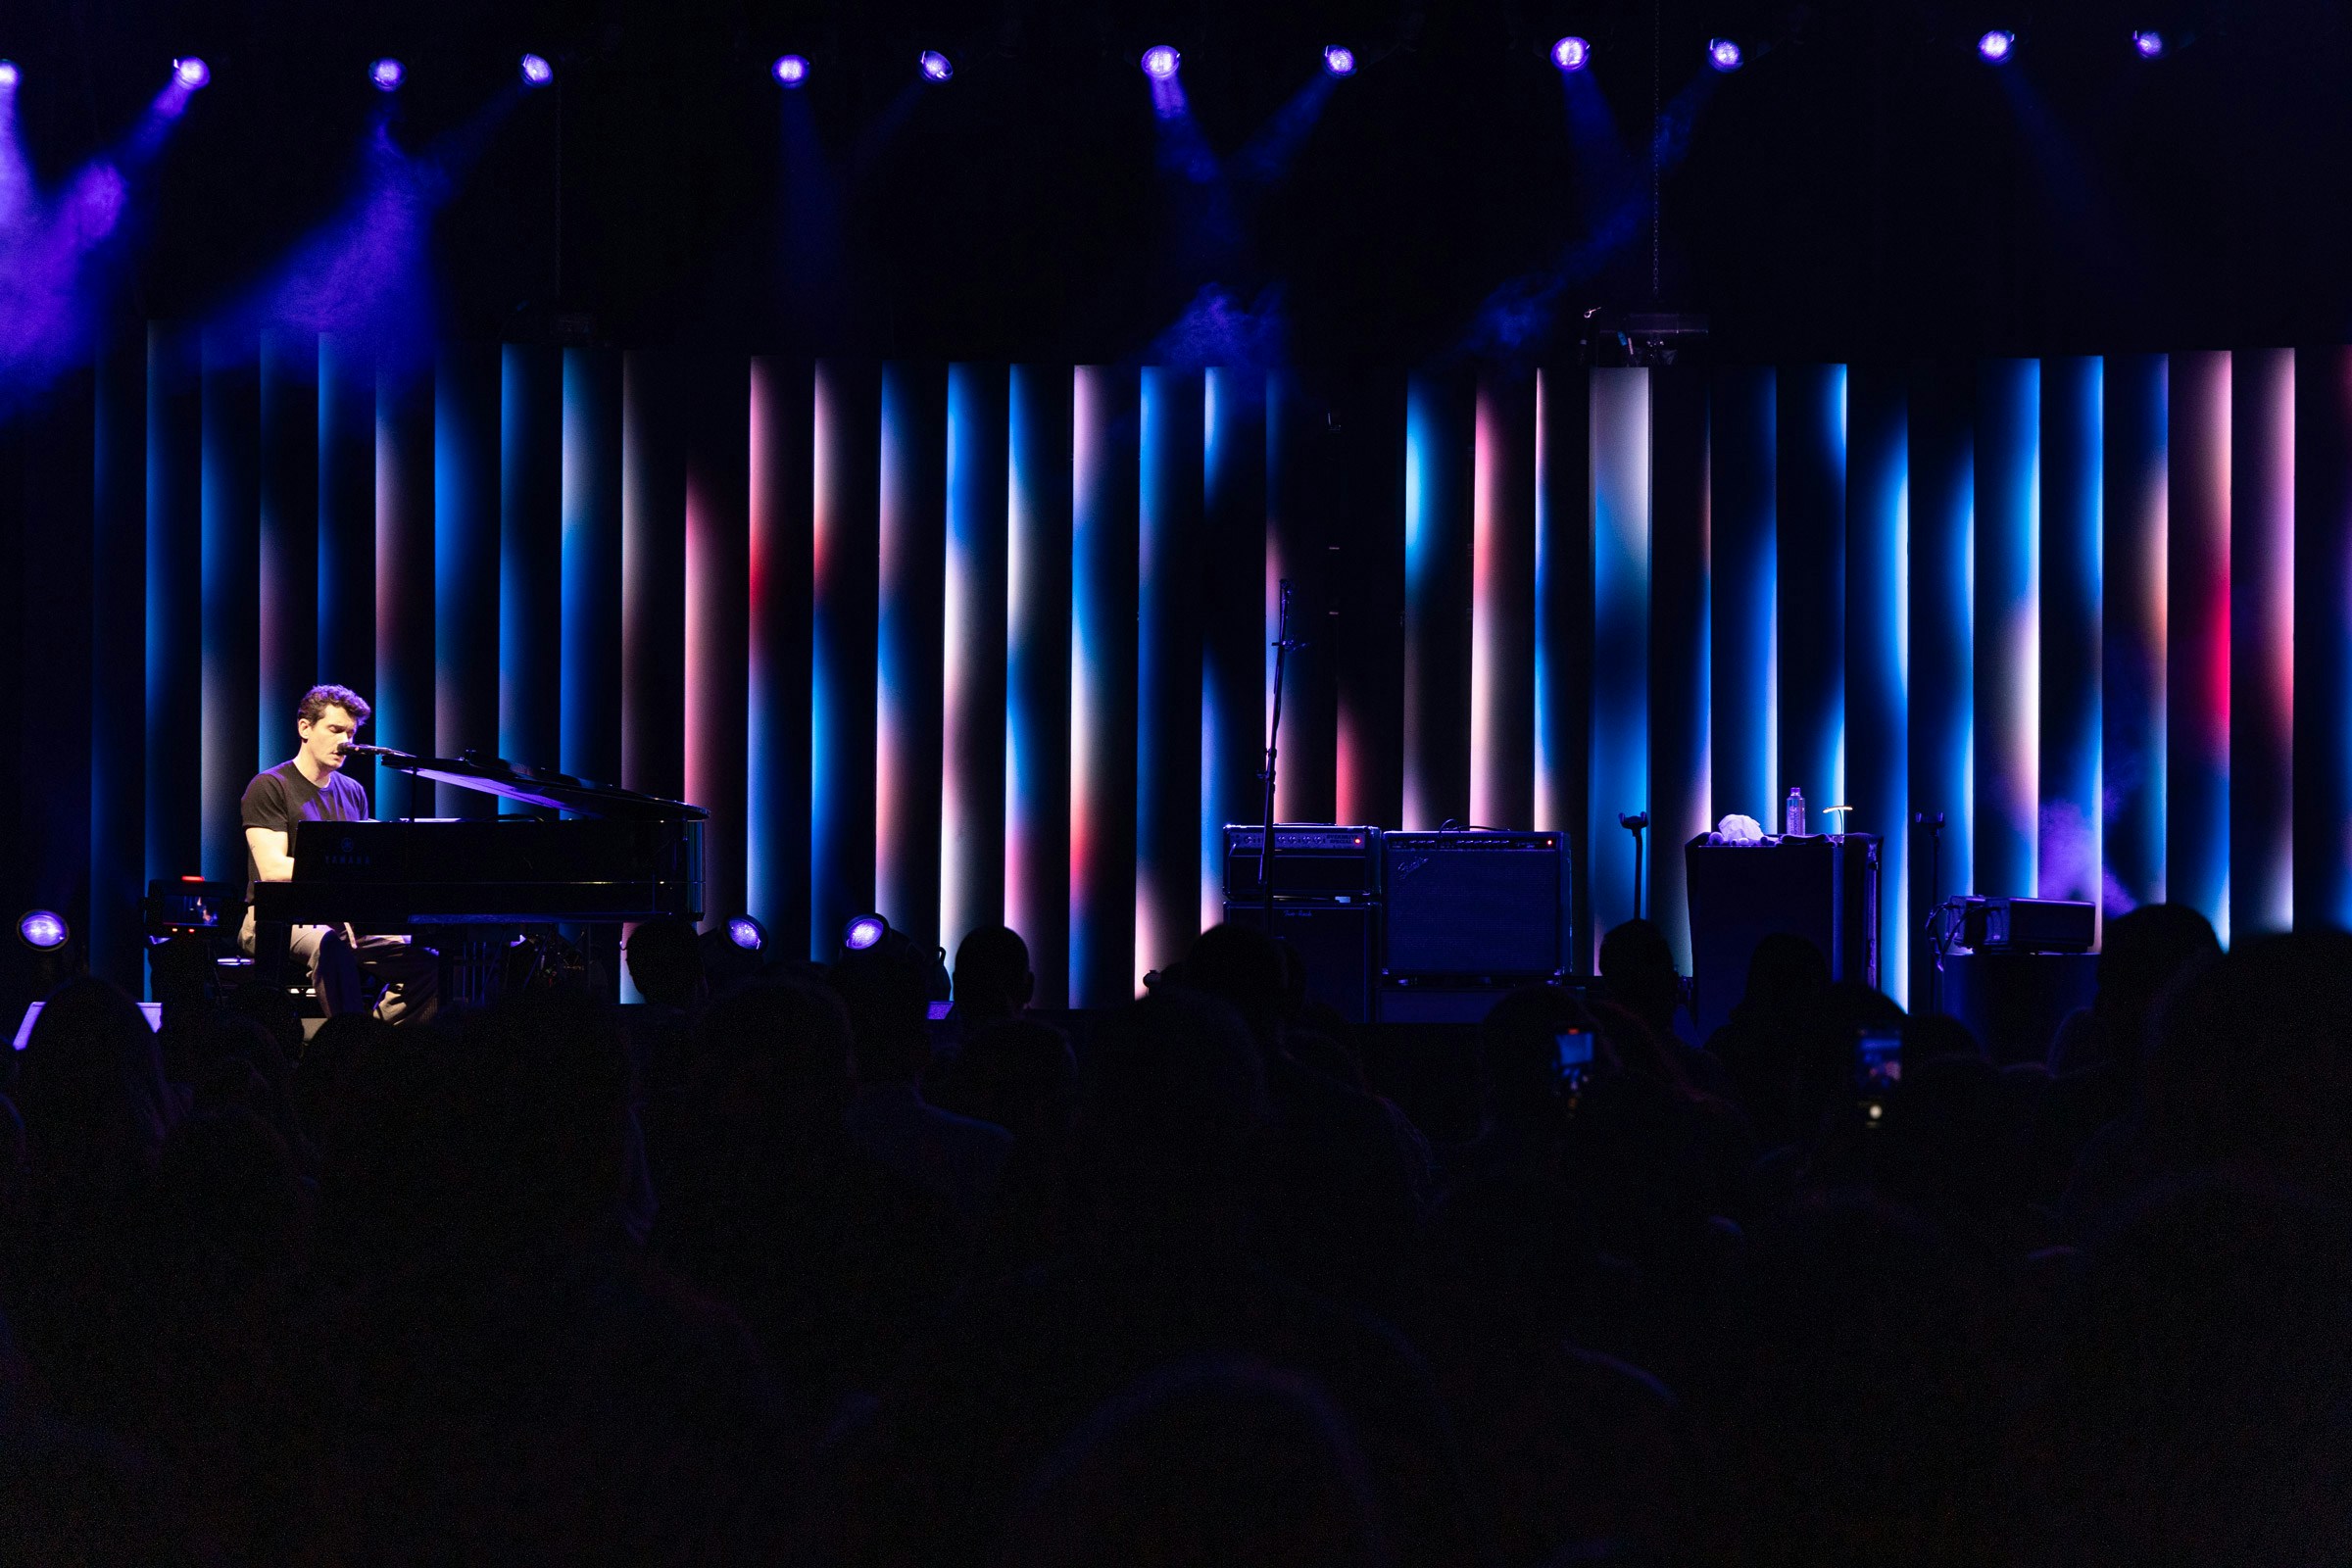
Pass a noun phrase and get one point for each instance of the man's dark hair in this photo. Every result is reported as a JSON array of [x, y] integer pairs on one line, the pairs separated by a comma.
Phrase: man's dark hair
[[318, 699]]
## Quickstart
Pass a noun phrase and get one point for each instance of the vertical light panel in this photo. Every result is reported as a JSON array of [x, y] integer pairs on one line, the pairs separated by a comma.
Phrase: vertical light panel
[[1103, 483], [2133, 609], [2262, 642], [2196, 819], [1878, 676], [1942, 652], [590, 725], [1564, 624], [2069, 855], [1233, 653], [175, 591], [531, 558], [845, 552], [117, 664], [2008, 630], [344, 595], [231, 648], [1621, 519], [1300, 486], [403, 579], [1809, 588], [1036, 709], [1502, 600], [652, 576], [778, 682], [1367, 538], [291, 528], [1169, 536], [1678, 642], [718, 623], [2322, 674], [1743, 489], [1438, 546], [465, 562], [913, 501], [972, 824]]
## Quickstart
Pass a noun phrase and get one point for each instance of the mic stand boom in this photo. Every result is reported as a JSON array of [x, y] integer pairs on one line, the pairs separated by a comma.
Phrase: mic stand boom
[[1282, 644]]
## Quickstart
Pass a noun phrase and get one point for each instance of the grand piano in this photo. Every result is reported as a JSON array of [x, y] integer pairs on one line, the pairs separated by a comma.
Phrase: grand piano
[[621, 855]]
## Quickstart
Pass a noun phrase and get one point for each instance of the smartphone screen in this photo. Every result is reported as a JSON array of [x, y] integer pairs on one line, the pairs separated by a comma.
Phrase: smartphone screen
[[1575, 1059], [1877, 1060]]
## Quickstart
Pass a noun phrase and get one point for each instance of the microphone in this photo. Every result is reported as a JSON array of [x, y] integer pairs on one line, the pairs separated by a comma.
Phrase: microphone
[[351, 749]]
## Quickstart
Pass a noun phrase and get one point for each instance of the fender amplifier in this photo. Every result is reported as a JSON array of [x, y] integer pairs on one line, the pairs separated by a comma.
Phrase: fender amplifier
[[1475, 904]]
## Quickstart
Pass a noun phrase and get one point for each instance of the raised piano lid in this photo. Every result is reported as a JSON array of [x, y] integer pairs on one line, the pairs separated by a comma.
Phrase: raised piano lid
[[535, 786]]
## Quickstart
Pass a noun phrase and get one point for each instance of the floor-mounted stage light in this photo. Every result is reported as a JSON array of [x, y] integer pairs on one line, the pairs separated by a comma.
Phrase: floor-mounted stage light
[[190, 72], [536, 71], [864, 931], [42, 931], [1996, 46], [1340, 60], [2148, 44], [387, 74], [937, 66], [747, 933], [790, 70], [1724, 54], [1160, 60], [1572, 53], [9, 74]]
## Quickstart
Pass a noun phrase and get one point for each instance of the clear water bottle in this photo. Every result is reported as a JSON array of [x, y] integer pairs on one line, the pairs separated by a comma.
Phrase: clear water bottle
[[1795, 823]]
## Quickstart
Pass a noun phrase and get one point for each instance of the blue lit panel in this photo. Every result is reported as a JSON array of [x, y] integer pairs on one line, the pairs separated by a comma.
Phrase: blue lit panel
[[2069, 852], [2008, 625], [1621, 501]]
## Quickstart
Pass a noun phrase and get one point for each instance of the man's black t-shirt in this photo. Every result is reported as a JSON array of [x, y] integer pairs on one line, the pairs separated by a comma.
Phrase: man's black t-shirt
[[282, 798]]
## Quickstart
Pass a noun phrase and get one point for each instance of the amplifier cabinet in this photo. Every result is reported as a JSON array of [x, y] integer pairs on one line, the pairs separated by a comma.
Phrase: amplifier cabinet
[[1475, 904], [1312, 860]]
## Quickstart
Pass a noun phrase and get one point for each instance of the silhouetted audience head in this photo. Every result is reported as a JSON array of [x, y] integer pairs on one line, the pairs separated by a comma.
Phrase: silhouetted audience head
[[1173, 1096], [2140, 953], [992, 975], [1519, 1052], [91, 1087], [1208, 1465], [1928, 1036], [1016, 1072], [2202, 1411], [887, 990], [2252, 1060], [665, 964], [226, 1179], [1637, 967], [1242, 967], [1787, 978], [773, 1058]]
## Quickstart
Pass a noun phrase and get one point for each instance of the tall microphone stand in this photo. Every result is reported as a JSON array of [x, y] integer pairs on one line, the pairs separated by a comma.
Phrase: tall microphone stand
[[1282, 644]]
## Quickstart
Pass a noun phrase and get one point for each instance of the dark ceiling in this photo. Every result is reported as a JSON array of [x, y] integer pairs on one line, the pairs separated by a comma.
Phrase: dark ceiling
[[1864, 187]]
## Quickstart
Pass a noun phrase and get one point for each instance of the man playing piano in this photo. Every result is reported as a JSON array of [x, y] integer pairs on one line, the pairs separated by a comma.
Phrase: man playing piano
[[310, 787]]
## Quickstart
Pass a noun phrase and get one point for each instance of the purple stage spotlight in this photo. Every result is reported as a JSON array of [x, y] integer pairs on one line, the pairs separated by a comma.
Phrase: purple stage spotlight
[[42, 931], [747, 933], [387, 74], [790, 70], [1340, 60], [8, 74], [863, 932], [1160, 62], [1996, 46], [937, 66], [190, 72], [2148, 43], [536, 71], [1724, 54], [1572, 53]]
